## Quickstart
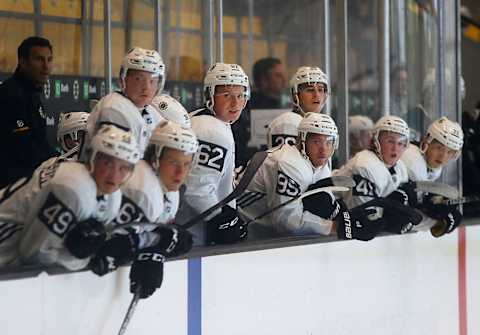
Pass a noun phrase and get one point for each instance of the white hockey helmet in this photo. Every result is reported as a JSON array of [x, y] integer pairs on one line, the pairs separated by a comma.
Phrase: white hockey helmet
[[171, 110], [358, 123], [144, 60], [392, 124], [307, 75], [447, 132], [172, 135], [220, 74], [285, 126], [114, 142], [317, 123], [71, 124]]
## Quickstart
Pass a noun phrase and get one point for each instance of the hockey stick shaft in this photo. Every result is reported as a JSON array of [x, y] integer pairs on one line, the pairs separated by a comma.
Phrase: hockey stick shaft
[[299, 197], [130, 311], [437, 188], [247, 177], [457, 201]]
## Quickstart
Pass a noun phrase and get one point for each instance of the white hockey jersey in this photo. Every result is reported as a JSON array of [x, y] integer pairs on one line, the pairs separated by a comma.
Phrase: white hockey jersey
[[211, 179], [417, 166], [120, 111], [372, 177], [284, 174], [45, 207], [283, 129], [145, 199]]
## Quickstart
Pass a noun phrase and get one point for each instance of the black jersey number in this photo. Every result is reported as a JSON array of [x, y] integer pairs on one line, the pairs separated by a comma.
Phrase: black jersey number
[[282, 139], [363, 187], [287, 186], [211, 155], [129, 212], [56, 216]]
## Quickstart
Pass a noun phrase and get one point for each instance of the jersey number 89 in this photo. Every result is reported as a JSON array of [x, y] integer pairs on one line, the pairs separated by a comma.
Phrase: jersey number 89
[[211, 155]]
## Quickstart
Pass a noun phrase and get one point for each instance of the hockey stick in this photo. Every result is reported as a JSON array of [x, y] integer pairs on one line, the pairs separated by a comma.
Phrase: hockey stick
[[457, 201], [299, 197], [130, 311], [341, 181], [444, 190], [247, 177]]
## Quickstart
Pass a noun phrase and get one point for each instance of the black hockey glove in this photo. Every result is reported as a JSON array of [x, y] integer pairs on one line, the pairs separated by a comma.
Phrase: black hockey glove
[[362, 223], [118, 250], [146, 273], [449, 216], [399, 218], [174, 240], [405, 194], [322, 204], [226, 227], [85, 238]]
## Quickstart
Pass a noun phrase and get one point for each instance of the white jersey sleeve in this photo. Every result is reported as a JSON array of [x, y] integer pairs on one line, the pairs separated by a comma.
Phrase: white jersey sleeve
[[212, 177], [120, 111], [68, 198], [284, 174], [417, 167], [372, 177]]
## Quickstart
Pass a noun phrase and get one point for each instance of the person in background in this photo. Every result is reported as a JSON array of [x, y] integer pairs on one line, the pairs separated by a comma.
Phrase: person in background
[[360, 130], [270, 80], [23, 139]]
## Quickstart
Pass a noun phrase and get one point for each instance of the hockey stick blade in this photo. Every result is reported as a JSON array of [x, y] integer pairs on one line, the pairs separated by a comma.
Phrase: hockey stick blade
[[247, 177], [130, 311], [437, 188], [299, 197]]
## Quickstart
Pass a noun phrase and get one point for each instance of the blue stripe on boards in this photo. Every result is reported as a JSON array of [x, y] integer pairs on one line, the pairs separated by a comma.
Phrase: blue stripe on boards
[[194, 296]]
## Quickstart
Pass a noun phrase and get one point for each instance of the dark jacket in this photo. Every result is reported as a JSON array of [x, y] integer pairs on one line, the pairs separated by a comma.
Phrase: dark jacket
[[23, 140]]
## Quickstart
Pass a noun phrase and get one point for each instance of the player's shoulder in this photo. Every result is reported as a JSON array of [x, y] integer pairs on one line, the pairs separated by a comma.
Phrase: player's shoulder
[[73, 180], [210, 129], [115, 100], [367, 164], [414, 162]]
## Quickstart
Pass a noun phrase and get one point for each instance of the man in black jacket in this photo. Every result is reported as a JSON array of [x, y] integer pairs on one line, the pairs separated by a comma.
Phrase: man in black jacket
[[23, 141]]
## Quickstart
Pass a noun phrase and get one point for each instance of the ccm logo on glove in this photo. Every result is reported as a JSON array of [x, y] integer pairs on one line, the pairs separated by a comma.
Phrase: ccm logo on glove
[[145, 256]]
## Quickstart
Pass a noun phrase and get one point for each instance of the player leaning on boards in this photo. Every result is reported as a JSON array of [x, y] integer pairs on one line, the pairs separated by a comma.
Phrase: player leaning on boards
[[309, 88], [151, 195], [59, 217], [142, 76], [441, 144], [227, 90], [378, 173], [288, 172]]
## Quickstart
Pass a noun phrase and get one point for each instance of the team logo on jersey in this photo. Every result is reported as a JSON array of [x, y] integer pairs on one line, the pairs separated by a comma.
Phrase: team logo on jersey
[[46, 89], [41, 112], [20, 123], [287, 186], [211, 155], [162, 105]]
